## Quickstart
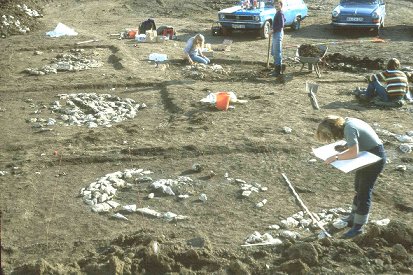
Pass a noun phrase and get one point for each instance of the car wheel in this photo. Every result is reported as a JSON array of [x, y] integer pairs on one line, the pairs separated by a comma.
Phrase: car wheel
[[296, 24], [265, 30]]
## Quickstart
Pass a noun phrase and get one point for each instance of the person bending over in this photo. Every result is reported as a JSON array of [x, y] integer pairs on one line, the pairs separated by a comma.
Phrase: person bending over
[[359, 136]]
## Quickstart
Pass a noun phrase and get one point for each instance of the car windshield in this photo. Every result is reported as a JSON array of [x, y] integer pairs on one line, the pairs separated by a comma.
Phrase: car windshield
[[360, 1]]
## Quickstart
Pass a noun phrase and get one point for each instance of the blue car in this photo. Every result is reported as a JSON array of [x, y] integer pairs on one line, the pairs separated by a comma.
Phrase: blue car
[[258, 15], [359, 14]]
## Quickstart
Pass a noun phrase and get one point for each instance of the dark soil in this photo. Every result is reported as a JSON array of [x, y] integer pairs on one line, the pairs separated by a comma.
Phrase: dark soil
[[46, 228]]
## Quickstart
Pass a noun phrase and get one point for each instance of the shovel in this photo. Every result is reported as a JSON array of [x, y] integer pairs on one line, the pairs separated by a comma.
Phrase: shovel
[[312, 89], [268, 50]]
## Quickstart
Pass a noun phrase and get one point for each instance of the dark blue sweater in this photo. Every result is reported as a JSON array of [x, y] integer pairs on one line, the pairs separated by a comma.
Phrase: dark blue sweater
[[278, 23]]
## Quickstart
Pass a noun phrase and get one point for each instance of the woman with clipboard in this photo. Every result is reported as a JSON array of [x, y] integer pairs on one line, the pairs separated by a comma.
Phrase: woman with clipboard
[[359, 136]]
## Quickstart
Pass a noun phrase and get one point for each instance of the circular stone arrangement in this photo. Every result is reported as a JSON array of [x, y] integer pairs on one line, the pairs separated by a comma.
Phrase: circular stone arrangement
[[100, 194]]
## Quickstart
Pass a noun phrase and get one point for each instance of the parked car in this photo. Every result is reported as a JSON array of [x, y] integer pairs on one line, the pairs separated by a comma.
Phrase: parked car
[[258, 15], [359, 14]]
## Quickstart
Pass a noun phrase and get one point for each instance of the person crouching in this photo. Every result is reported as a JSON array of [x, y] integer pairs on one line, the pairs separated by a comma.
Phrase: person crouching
[[193, 50]]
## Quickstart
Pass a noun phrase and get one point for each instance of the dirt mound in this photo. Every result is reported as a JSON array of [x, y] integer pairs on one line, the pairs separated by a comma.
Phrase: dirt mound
[[308, 50], [337, 60], [380, 249]]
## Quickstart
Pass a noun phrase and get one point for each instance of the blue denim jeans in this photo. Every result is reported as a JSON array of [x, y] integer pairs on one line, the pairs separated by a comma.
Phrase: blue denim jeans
[[375, 89], [364, 183], [199, 59], [276, 50]]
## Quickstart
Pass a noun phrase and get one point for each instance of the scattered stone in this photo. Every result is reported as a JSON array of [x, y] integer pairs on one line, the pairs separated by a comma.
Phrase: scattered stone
[[406, 147], [261, 203], [203, 197], [130, 208], [382, 222], [401, 168], [196, 167], [246, 193], [287, 130], [119, 216], [169, 216]]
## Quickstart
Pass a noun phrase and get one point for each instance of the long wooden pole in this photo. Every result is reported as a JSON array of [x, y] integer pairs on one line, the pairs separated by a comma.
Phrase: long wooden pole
[[315, 221], [269, 49]]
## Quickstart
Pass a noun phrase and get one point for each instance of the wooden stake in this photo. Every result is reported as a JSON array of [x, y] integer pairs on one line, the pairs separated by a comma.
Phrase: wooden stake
[[87, 41], [313, 218], [258, 244]]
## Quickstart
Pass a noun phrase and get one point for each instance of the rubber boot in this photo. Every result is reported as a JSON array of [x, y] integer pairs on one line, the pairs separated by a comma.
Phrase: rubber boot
[[357, 229], [349, 220], [280, 69], [276, 72]]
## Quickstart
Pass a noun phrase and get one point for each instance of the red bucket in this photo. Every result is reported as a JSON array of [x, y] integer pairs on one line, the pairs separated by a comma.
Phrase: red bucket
[[222, 101]]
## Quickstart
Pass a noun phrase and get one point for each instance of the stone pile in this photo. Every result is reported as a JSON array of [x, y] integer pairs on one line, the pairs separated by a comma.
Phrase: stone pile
[[200, 71], [164, 186], [95, 110], [28, 11], [70, 62], [295, 226], [13, 24], [88, 109]]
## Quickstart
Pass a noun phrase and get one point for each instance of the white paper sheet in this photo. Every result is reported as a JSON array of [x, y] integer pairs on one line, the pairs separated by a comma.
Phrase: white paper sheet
[[61, 30], [364, 158]]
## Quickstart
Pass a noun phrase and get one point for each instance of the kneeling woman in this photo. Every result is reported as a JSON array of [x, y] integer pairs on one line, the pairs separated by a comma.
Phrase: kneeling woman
[[193, 50], [359, 137]]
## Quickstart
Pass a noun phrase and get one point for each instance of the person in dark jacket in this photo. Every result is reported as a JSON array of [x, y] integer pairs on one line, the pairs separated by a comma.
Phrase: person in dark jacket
[[278, 34], [359, 136]]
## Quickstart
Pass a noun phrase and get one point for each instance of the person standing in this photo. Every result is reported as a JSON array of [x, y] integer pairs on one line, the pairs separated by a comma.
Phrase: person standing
[[193, 50], [359, 136], [278, 34]]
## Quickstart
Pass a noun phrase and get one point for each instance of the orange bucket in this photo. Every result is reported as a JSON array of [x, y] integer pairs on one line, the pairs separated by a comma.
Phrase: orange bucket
[[132, 33], [222, 101]]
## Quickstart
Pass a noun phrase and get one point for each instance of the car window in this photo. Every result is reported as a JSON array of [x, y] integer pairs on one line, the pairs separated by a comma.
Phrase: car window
[[289, 3]]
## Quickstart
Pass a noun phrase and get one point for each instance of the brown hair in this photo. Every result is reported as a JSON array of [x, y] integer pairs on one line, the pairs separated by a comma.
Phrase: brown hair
[[393, 64], [280, 2], [331, 128]]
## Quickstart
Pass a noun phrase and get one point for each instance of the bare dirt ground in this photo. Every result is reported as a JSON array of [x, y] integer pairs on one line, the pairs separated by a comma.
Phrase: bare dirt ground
[[46, 228]]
